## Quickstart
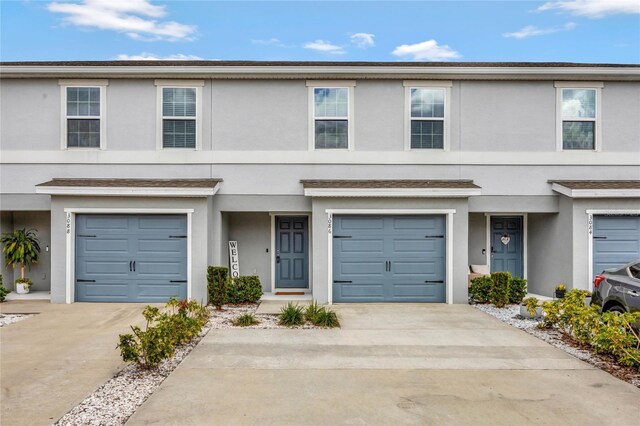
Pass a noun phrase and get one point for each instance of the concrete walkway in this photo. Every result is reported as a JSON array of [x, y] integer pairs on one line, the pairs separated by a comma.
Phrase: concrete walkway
[[53, 360], [389, 364]]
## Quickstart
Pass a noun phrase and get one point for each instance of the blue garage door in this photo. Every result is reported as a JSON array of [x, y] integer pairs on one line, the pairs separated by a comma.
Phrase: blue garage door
[[616, 241], [389, 259], [131, 258]]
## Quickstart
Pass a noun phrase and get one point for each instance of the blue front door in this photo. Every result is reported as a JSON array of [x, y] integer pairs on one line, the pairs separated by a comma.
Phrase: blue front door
[[292, 252], [507, 245], [389, 258], [131, 258]]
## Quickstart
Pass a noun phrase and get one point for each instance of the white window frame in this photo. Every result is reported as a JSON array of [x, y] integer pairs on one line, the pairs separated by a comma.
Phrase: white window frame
[[424, 84], [331, 84], [100, 84], [567, 85], [197, 85]]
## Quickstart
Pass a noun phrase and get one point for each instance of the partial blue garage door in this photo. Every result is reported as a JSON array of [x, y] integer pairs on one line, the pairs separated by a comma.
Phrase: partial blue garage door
[[616, 241], [131, 258], [389, 259]]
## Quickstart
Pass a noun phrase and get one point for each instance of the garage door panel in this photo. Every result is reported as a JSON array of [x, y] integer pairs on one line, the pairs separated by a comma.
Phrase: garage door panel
[[103, 246], [131, 258], [616, 241], [389, 259], [357, 247]]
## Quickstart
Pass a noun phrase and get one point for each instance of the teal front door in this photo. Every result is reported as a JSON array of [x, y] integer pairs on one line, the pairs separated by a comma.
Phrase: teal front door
[[292, 252], [507, 245]]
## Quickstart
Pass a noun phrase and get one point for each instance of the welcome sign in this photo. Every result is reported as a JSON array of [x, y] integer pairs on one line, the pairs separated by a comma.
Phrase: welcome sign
[[234, 262]]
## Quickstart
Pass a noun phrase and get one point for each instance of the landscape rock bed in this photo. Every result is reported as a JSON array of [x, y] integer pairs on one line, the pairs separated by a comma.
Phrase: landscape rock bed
[[116, 400], [510, 314], [6, 319]]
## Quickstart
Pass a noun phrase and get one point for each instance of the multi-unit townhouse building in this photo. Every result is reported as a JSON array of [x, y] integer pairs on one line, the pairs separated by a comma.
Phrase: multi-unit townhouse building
[[347, 181]]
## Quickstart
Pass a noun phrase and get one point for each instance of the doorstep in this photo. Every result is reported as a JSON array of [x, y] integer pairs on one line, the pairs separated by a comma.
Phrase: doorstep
[[32, 295], [286, 297]]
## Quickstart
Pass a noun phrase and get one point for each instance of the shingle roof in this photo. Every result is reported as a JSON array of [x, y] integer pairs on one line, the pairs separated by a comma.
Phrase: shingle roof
[[398, 183], [134, 183], [307, 64], [598, 184]]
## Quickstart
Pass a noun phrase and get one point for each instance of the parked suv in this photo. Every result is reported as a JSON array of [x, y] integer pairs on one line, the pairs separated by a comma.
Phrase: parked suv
[[618, 289]]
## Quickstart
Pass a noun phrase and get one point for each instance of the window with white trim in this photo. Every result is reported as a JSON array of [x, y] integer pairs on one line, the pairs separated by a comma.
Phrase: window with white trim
[[179, 117], [83, 107], [331, 117], [578, 116], [179, 112], [427, 114]]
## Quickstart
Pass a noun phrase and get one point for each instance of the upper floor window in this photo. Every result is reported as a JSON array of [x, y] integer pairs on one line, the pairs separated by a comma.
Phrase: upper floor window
[[427, 118], [578, 121], [179, 123], [83, 124], [331, 112]]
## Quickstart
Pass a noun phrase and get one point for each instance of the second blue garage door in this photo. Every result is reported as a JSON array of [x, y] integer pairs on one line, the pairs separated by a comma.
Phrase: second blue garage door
[[131, 258], [616, 241], [389, 258]]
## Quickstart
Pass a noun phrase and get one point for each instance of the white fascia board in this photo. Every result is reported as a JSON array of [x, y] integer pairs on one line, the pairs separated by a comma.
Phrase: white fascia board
[[127, 191], [392, 192], [35, 70], [596, 193]]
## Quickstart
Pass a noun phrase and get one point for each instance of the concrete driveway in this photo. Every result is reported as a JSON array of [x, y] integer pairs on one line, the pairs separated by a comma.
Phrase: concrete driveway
[[53, 360], [389, 364]]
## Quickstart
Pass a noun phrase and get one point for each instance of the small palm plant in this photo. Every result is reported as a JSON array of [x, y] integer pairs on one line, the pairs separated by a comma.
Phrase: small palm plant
[[21, 247]]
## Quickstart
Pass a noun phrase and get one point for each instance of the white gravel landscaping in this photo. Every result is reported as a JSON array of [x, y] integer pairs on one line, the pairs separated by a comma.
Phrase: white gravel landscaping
[[510, 314], [6, 319], [116, 400]]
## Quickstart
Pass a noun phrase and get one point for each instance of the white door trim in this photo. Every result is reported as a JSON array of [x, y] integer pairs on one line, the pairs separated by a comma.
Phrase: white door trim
[[449, 239], [70, 229], [595, 212], [273, 251], [525, 238]]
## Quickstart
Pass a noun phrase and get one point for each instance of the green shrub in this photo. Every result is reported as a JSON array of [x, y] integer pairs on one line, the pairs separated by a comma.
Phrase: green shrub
[[610, 332], [480, 289], [517, 289], [291, 315], [311, 311], [245, 320], [325, 317], [3, 291], [531, 304], [217, 283], [245, 289], [26, 281], [499, 294], [163, 333]]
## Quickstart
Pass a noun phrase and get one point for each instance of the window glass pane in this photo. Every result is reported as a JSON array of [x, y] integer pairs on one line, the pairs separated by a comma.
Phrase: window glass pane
[[179, 133], [331, 102], [83, 101], [178, 102], [331, 134], [427, 134], [427, 103], [578, 103], [82, 133], [578, 134]]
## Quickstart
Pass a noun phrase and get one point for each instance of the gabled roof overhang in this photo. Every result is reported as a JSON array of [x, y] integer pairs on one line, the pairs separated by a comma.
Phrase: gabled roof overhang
[[131, 187], [391, 188]]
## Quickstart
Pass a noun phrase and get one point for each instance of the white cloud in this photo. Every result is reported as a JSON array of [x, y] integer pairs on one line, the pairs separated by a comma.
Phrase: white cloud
[[325, 47], [594, 8], [145, 56], [363, 40], [532, 30], [428, 50], [131, 17]]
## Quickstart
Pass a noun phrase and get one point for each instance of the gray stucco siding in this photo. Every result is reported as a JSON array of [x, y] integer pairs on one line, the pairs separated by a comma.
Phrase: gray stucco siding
[[621, 117]]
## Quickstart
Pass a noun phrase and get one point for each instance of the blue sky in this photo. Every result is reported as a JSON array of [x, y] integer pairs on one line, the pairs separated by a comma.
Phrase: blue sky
[[567, 30]]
